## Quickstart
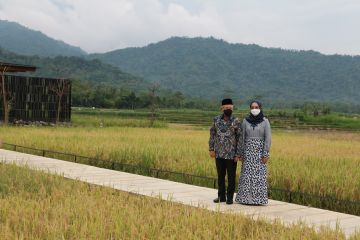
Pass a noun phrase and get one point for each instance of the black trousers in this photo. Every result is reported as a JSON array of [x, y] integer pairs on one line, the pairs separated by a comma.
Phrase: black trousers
[[224, 166]]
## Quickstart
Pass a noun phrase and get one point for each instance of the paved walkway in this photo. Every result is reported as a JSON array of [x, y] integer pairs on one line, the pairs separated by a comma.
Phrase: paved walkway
[[183, 193]]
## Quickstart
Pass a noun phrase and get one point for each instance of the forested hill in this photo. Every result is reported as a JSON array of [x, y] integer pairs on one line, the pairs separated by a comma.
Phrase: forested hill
[[21, 40], [102, 85], [200, 67], [77, 68], [212, 68]]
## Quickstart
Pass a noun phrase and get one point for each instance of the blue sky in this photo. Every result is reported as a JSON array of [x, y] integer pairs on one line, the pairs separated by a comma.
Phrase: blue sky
[[328, 26]]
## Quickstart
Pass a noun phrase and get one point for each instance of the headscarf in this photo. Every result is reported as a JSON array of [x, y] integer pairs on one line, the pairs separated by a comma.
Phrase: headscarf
[[255, 120]]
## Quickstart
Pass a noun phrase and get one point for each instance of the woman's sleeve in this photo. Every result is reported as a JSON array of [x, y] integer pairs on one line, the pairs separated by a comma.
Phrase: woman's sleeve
[[266, 152]]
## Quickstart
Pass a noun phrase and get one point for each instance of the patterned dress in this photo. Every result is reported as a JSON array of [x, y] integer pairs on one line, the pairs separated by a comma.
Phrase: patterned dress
[[256, 142]]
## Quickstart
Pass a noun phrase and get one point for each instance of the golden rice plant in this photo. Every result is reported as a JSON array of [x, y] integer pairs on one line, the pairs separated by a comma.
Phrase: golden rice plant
[[324, 163], [36, 205]]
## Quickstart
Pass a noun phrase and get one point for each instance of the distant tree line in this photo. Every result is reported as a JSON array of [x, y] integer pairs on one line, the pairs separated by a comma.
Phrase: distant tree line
[[88, 94]]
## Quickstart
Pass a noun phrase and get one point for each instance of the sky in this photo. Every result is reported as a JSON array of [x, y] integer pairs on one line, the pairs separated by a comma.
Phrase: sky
[[327, 26]]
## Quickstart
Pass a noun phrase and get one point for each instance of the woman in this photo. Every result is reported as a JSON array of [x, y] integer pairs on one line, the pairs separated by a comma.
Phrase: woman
[[254, 147]]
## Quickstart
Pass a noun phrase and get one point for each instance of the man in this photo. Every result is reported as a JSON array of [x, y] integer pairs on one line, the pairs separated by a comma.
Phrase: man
[[223, 144]]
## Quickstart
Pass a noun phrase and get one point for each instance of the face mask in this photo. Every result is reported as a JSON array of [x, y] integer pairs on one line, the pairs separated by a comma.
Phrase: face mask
[[255, 112], [228, 112]]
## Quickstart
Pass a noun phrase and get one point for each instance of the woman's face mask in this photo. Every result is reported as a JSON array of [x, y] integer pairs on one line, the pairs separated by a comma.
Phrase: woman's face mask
[[255, 112]]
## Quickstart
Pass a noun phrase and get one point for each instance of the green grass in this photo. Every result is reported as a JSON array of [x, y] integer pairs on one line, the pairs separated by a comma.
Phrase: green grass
[[280, 118], [36, 205], [335, 121]]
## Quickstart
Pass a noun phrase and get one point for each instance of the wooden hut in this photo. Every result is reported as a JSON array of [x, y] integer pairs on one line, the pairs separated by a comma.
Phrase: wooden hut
[[31, 99]]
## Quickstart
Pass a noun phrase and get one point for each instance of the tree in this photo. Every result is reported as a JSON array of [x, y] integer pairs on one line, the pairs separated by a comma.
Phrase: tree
[[179, 99], [130, 101], [153, 99], [315, 109], [60, 87], [7, 97]]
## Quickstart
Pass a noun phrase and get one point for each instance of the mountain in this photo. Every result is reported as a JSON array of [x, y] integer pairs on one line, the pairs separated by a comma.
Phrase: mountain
[[98, 84], [200, 67], [21, 40], [76, 68], [211, 68]]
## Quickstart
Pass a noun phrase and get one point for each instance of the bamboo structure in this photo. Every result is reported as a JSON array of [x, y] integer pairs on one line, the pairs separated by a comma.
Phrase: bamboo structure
[[31, 99]]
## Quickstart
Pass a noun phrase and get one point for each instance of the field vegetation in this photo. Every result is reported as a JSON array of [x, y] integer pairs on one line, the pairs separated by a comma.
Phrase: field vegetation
[[36, 205], [316, 162]]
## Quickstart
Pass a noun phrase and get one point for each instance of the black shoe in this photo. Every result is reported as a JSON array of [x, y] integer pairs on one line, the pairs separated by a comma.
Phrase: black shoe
[[218, 200], [229, 201]]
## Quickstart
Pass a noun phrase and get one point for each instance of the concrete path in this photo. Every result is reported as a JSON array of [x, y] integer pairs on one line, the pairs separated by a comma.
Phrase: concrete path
[[184, 193]]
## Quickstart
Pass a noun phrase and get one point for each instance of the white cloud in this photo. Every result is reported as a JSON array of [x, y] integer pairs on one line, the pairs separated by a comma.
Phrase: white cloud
[[329, 26]]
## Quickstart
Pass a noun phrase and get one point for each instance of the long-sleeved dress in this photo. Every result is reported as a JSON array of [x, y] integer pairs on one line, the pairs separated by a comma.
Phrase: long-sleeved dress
[[256, 142]]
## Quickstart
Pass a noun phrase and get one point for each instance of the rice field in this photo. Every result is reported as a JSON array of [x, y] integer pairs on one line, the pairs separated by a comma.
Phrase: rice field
[[318, 162], [36, 205], [100, 121]]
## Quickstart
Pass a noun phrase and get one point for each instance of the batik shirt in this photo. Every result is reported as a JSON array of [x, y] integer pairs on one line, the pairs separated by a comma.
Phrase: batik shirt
[[224, 137]]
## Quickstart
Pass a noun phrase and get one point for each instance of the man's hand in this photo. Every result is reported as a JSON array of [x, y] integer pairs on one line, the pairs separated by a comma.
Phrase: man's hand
[[237, 159], [212, 154], [265, 160]]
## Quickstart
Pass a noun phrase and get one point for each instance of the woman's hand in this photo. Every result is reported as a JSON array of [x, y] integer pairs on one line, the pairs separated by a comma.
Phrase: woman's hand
[[212, 154], [265, 160], [238, 158]]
